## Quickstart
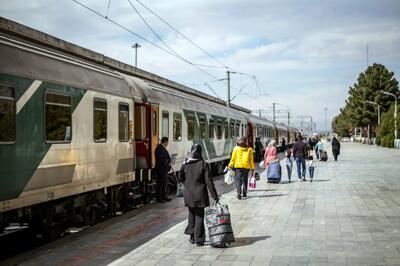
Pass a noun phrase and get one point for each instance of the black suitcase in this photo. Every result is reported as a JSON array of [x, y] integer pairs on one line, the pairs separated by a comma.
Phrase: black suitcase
[[324, 156], [218, 220]]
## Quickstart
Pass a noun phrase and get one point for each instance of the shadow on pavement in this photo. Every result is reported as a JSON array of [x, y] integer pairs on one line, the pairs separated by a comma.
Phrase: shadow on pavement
[[247, 241], [266, 196], [320, 180], [255, 190]]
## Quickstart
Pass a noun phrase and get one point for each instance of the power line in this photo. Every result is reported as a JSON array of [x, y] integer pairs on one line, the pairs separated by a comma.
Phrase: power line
[[182, 35], [161, 40], [142, 38]]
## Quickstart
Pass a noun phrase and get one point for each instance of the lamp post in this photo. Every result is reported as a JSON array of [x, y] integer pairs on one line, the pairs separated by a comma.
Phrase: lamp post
[[136, 46], [395, 111], [379, 110]]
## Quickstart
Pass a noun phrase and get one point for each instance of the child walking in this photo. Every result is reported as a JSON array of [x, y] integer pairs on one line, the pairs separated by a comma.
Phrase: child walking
[[289, 163], [311, 166]]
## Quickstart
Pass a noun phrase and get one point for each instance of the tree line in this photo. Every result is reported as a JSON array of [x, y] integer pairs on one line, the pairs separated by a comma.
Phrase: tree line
[[359, 112]]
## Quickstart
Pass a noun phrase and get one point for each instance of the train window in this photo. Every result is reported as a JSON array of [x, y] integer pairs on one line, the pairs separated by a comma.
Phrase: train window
[[211, 129], [202, 126], [232, 126], [123, 122], [165, 124], [99, 120], [58, 117], [219, 129], [226, 130], [177, 127], [7, 114], [237, 129], [153, 123], [190, 125], [140, 122]]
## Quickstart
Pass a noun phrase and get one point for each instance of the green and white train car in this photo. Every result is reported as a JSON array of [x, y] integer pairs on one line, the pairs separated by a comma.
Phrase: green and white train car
[[78, 130]]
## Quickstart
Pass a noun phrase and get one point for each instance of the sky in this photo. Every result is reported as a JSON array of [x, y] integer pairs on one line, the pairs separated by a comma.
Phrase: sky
[[304, 54]]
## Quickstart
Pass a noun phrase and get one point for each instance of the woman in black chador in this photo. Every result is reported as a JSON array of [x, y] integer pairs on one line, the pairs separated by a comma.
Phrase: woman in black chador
[[335, 148], [196, 175]]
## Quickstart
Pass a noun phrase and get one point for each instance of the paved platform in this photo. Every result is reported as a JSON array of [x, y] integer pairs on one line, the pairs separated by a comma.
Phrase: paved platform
[[349, 215]]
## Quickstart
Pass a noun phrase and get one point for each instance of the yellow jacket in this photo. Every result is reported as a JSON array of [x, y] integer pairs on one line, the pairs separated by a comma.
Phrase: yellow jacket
[[242, 157]]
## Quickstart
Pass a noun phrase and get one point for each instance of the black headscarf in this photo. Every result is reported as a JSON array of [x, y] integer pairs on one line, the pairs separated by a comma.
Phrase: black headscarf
[[195, 155]]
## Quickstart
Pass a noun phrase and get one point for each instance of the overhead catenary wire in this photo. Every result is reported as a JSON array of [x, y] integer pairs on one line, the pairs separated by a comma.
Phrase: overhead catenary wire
[[142, 38], [162, 41], [182, 35]]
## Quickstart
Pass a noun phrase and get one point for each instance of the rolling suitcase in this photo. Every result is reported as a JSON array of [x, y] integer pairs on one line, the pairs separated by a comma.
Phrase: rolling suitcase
[[324, 156], [218, 220], [274, 173]]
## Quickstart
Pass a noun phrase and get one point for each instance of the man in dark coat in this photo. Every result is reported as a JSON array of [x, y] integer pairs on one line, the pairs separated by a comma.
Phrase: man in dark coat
[[283, 143], [300, 154], [335, 148], [161, 169], [258, 150], [196, 175]]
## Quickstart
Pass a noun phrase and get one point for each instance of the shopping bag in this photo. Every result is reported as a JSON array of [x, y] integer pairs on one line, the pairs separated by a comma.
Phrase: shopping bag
[[261, 165], [252, 182], [229, 177]]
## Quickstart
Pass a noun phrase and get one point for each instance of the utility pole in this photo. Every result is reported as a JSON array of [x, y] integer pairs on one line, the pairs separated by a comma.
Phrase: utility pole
[[136, 46], [228, 78], [273, 110], [312, 126], [326, 121], [288, 119]]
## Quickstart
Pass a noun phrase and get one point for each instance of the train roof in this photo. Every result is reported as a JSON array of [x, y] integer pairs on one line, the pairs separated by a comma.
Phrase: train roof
[[260, 120], [87, 58]]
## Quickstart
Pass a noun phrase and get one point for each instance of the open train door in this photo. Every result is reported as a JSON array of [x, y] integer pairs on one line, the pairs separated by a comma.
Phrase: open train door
[[154, 132], [250, 134]]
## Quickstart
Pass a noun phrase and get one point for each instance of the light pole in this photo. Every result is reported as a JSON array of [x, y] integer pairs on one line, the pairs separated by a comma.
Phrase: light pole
[[136, 46], [379, 110], [395, 111], [326, 121]]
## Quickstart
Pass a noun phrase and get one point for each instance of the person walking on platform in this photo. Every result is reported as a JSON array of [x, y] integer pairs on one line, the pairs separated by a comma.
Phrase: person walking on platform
[[161, 169], [242, 161], [283, 143], [289, 163], [319, 148], [258, 149], [300, 154], [195, 174], [335, 148], [271, 153]]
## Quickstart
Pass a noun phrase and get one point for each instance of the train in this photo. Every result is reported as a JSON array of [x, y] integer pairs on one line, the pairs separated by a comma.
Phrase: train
[[78, 130]]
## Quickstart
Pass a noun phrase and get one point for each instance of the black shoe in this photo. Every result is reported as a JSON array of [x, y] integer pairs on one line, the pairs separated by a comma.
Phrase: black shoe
[[160, 201], [166, 199], [191, 240], [244, 195], [311, 180], [239, 196], [304, 180], [199, 244]]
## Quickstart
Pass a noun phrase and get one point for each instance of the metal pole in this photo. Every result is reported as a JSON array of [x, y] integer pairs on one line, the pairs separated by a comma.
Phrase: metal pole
[[136, 46], [379, 114], [326, 121], [273, 109], [288, 119], [228, 78], [395, 117]]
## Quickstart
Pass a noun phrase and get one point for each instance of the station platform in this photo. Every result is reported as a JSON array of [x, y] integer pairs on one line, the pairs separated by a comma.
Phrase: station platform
[[349, 215]]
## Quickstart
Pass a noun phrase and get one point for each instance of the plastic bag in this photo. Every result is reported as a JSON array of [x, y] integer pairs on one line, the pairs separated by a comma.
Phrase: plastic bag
[[252, 182], [180, 187], [229, 177]]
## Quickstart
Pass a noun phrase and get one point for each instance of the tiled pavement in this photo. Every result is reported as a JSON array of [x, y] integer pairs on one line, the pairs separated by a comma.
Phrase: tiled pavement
[[349, 215]]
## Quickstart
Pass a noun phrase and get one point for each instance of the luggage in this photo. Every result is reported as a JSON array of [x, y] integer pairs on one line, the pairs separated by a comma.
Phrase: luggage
[[218, 220], [324, 156], [180, 187], [274, 172]]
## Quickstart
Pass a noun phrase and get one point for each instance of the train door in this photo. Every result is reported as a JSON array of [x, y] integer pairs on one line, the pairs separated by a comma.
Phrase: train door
[[142, 135], [154, 132], [250, 134]]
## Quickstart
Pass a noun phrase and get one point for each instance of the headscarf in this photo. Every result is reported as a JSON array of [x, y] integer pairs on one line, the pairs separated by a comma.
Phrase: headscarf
[[272, 143], [195, 154]]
